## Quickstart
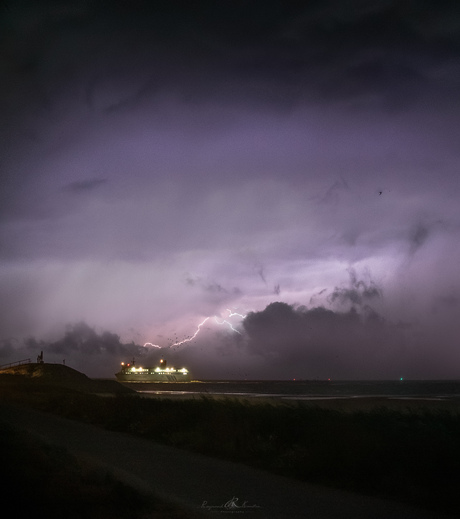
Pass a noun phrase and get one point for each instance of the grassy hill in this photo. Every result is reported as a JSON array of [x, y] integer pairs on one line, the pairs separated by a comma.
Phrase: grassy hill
[[44, 377]]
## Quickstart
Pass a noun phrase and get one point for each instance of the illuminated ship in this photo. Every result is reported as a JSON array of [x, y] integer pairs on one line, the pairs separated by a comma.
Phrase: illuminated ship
[[131, 373]]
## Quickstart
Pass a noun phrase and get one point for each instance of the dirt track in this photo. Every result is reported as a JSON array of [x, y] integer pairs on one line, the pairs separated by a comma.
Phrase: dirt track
[[201, 484]]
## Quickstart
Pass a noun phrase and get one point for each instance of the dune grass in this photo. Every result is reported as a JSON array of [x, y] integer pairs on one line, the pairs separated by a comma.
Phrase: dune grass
[[42, 479], [407, 454], [46, 479]]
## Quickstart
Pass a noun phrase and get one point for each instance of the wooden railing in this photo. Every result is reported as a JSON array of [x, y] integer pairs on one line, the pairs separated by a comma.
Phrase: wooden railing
[[17, 363]]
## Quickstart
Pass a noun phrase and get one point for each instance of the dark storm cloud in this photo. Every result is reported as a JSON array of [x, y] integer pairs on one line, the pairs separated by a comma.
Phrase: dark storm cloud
[[81, 338], [81, 341], [265, 52], [358, 293], [318, 342], [83, 348]]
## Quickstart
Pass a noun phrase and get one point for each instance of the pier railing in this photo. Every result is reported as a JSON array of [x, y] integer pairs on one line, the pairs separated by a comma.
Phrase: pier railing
[[17, 363]]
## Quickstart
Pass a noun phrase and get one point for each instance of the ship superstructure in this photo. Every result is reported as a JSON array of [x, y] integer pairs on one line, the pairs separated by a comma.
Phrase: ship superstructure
[[131, 373]]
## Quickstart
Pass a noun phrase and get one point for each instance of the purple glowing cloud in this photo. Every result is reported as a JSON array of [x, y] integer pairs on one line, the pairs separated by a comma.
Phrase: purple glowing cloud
[[162, 164]]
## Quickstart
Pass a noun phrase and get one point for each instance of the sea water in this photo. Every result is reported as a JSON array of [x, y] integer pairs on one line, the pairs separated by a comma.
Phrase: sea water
[[309, 390]]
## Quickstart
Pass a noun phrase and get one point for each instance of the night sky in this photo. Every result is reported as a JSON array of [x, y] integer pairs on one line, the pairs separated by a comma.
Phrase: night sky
[[286, 172]]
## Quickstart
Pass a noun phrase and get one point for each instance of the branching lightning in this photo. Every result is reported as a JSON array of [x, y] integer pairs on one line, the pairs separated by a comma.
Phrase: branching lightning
[[190, 338], [224, 321]]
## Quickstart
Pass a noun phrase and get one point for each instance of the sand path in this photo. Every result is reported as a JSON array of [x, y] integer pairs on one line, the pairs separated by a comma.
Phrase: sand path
[[205, 486]]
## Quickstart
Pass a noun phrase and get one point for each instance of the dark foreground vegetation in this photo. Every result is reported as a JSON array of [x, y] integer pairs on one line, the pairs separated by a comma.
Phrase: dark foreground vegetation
[[39, 479], [411, 454]]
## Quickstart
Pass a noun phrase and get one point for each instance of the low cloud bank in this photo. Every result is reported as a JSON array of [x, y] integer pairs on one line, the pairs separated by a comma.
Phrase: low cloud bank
[[81, 348], [280, 342], [339, 336], [322, 343]]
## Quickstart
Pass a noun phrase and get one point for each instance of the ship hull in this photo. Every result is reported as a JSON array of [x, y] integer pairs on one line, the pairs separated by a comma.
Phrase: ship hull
[[146, 378]]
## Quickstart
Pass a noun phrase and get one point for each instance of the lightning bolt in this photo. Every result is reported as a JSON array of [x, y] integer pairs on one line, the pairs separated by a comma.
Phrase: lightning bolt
[[189, 339], [231, 314], [178, 343], [193, 336], [224, 321]]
